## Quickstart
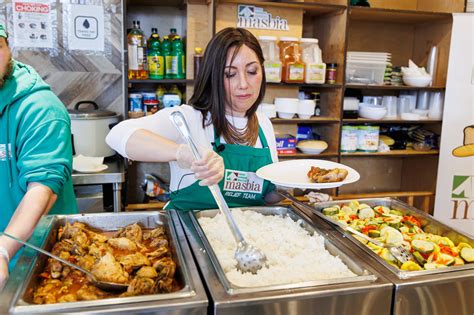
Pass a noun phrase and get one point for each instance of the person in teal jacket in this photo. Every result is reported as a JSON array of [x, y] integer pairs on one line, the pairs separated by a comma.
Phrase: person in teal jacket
[[35, 154]]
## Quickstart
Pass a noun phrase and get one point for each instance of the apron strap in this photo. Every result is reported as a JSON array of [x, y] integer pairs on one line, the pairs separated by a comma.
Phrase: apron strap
[[263, 140]]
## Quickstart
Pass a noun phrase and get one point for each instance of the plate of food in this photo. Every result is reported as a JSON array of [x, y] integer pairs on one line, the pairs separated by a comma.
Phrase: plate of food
[[308, 174]]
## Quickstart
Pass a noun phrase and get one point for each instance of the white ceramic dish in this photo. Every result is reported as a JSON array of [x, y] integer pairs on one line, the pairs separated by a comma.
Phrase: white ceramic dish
[[417, 81], [286, 105], [286, 115], [372, 112], [310, 150], [95, 169], [293, 174]]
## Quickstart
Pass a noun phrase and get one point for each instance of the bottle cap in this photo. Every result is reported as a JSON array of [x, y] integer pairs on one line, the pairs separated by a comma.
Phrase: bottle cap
[[332, 65], [198, 50], [173, 30], [309, 40]]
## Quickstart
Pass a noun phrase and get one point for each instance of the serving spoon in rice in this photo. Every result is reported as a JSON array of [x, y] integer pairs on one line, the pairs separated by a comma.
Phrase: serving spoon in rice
[[248, 257]]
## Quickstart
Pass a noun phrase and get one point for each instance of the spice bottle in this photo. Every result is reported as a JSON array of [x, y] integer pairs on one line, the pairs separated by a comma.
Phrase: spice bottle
[[197, 60], [331, 73]]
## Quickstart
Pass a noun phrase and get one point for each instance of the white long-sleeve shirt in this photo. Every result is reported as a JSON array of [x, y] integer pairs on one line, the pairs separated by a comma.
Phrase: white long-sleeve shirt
[[160, 124]]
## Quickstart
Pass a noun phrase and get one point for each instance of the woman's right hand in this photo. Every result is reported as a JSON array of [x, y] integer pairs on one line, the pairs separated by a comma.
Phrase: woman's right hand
[[209, 169]]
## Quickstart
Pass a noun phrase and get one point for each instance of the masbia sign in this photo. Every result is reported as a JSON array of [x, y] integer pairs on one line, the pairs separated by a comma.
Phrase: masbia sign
[[249, 16], [462, 198]]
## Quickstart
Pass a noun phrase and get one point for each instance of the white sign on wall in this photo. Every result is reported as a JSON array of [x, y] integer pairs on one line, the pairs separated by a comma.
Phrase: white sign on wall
[[86, 27], [250, 16], [32, 24], [454, 203]]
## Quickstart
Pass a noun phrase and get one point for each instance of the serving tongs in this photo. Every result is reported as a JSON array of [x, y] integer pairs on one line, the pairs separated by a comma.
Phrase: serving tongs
[[103, 285], [249, 258], [398, 252]]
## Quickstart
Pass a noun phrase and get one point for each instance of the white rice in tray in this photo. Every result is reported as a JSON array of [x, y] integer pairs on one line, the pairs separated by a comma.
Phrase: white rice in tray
[[293, 255]]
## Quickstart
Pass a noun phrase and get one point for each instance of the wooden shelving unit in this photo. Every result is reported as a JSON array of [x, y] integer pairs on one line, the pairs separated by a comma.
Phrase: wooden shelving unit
[[164, 81], [393, 87], [390, 121], [405, 28], [393, 153]]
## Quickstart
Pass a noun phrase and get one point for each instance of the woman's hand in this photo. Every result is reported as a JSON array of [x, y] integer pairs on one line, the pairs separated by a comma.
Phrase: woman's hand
[[3, 272], [209, 169]]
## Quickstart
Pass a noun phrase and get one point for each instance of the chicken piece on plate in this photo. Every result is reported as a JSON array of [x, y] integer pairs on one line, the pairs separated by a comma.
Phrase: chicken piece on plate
[[165, 285], [108, 269], [132, 232], [159, 242], [139, 286], [321, 175], [86, 261], [155, 233], [158, 253], [147, 272], [165, 267], [98, 250], [133, 261], [89, 293], [123, 243]]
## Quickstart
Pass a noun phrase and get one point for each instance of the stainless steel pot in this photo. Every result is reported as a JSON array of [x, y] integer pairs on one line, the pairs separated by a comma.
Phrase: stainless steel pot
[[89, 127]]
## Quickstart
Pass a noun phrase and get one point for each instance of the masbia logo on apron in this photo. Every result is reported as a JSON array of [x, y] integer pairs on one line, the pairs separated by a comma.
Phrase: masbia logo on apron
[[242, 184]]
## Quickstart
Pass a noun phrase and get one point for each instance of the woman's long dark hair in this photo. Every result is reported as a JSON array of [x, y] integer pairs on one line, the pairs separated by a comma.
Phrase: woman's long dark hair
[[209, 91]]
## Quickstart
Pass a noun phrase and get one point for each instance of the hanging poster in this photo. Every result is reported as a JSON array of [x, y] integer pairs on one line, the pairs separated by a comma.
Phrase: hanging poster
[[454, 204], [86, 28], [32, 24]]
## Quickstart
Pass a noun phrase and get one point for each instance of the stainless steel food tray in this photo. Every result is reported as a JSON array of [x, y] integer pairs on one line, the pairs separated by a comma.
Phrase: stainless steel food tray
[[362, 274], [356, 298], [429, 225], [19, 290]]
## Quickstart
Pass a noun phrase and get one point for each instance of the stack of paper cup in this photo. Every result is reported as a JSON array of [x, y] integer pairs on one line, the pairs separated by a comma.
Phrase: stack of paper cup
[[436, 105]]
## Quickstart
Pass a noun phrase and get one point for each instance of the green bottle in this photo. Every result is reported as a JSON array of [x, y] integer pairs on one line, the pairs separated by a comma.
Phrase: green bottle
[[166, 52], [156, 66], [178, 65]]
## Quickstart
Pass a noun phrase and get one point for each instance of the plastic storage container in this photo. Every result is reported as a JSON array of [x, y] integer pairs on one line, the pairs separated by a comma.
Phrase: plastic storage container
[[293, 68], [312, 57], [349, 139], [364, 72], [272, 62], [368, 138]]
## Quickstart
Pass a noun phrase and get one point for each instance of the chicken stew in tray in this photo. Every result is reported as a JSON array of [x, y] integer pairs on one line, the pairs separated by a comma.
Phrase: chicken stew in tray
[[139, 257]]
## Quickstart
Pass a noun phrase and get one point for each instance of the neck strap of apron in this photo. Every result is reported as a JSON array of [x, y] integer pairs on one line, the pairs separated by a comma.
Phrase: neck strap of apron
[[217, 138]]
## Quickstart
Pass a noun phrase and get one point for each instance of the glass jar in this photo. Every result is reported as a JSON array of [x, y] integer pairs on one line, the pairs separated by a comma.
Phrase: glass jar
[[293, 68], [331, 73], [312, 57], [272, 62]]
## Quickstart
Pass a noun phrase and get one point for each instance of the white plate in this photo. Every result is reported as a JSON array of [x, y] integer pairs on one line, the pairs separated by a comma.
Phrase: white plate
[[293, 174], [98, 168]]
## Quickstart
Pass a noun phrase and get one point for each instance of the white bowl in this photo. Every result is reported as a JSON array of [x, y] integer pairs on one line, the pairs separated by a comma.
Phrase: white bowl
[[285, 115], [303, 116], [418, 81], [306, 108], [268, 110], [286, 105], [372, 113], [312, 146]]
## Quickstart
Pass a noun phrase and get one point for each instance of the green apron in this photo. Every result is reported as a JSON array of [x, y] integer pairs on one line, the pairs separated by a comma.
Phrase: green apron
[[240, 186]]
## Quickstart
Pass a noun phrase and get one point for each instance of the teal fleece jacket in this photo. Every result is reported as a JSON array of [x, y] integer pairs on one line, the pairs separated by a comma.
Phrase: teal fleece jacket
[[35, 143]]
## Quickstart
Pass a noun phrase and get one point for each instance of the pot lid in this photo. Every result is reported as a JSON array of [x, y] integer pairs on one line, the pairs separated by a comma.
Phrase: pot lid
[[88, 112]]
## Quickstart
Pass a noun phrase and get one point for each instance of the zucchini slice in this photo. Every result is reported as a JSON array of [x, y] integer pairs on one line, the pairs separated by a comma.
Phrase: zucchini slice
[[386, 255], [391, 236], [354, 204], [330, 211], [467, 254], [424, 247], [366, 213], [374, 233], [432, 266], [410, 266], [445, 259], [419, 258]]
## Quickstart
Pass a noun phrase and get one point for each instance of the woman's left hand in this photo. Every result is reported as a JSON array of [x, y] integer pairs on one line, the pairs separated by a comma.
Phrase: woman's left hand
[[209, 169]]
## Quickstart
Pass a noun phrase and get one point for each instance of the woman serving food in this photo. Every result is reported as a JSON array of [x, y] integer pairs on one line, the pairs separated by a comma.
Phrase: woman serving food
[[234, 140]]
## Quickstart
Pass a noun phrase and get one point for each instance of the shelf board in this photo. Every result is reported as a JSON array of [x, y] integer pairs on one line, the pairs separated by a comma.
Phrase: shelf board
[[164, 81], [408, 152], [300, 155], [395, 16], [313, 120], [314, 9], [389, 121], [161, 3], [307, 85], [392, 87]]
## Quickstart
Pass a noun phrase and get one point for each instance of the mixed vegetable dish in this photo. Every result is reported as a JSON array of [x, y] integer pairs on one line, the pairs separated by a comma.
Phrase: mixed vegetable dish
[[392, 227]]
